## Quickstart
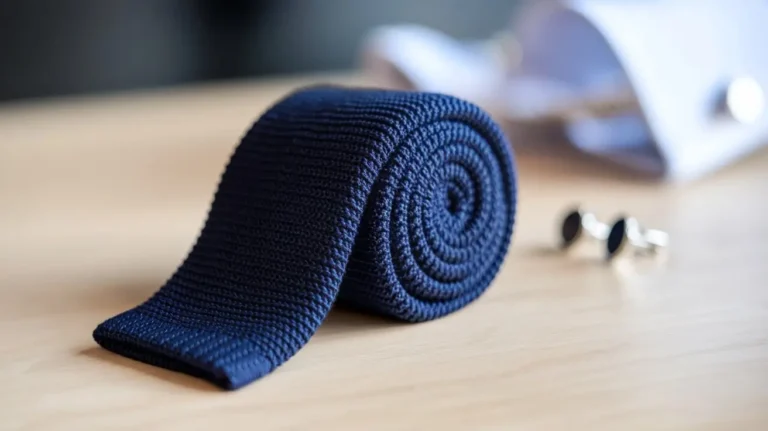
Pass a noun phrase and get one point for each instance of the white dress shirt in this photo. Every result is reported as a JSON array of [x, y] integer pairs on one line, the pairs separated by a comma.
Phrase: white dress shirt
[[674, 88]]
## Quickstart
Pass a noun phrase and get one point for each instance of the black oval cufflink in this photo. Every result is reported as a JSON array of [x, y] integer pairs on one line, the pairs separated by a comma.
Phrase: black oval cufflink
[[578, 225], [628, 238]]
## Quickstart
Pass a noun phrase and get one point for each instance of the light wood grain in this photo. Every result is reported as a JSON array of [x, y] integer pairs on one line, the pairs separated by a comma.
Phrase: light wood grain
[[100, 199]]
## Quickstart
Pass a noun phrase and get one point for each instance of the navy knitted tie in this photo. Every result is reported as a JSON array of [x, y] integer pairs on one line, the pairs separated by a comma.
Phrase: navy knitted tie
[[396, 203]]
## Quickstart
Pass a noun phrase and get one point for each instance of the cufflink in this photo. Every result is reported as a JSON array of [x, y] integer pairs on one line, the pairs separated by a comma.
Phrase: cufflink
[[627, 236], [578, 225], [744, 100]]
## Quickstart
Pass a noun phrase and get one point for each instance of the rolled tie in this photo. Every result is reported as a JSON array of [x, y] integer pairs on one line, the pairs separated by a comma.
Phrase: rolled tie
[[396, 203]]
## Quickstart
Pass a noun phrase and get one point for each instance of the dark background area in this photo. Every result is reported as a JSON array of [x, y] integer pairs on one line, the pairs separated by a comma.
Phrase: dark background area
[[62, 47]]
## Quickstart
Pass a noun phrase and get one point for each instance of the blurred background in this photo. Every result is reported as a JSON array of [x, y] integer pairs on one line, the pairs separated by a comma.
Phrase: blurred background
[[54, 47]]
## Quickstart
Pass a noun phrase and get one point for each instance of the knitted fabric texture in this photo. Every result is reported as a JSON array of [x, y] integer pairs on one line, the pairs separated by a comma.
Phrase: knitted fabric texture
[[395, 203]]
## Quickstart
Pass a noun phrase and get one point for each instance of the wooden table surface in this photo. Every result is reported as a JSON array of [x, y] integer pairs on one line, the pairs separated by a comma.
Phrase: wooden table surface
[[101, 197]]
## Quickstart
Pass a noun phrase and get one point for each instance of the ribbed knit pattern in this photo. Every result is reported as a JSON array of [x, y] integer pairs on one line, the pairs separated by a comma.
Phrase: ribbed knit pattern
[[396, 203]]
